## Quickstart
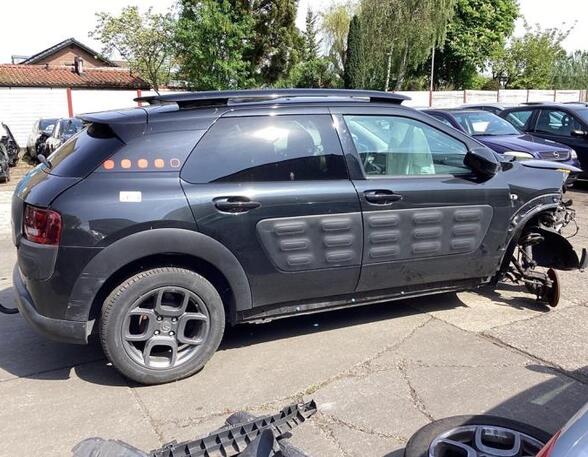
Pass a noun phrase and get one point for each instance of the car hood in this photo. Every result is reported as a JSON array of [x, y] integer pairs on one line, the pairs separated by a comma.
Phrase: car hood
[[549, 165], [522, 143]]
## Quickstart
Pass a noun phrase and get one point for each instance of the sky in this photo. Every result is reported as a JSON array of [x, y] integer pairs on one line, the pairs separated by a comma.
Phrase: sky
[[31, 26]]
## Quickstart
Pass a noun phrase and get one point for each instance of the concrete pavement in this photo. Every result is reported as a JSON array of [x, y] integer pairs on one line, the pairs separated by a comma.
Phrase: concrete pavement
[[378, 373]]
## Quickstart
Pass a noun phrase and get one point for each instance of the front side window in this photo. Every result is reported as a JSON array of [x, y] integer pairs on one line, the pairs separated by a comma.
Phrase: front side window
[[267, 148], [398, 146], [556, 122], [519, 118]]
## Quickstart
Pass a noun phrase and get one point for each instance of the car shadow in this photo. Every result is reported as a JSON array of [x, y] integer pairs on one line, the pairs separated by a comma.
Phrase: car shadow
[[24, 353]]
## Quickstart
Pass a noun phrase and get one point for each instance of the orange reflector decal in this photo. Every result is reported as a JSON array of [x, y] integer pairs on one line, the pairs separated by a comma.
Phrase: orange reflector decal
[[174, 163], [159, 163], [142, 163], [125, 163], [108, 164]]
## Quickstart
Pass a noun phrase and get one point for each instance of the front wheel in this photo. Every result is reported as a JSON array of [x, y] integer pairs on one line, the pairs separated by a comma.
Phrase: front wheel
[[476, 436], [162, 325]]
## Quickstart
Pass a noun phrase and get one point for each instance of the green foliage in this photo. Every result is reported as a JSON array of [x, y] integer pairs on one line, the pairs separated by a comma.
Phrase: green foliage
[[477, 33], [529, 62], [275, 40], [314, 73], [145, 41], [351, 76], [310, 36], [212, 39], [396, 36], [571, 72], [335, 27]]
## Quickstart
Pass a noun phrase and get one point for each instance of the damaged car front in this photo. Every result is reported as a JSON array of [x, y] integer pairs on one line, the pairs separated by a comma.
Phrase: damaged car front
[[543, 221]]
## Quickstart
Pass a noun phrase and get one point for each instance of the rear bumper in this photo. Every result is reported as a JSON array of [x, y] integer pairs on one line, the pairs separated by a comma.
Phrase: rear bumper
[[75, 332]]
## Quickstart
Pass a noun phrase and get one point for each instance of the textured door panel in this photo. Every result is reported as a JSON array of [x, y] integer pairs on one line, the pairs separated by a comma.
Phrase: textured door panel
[[312, 242], [417, 233]]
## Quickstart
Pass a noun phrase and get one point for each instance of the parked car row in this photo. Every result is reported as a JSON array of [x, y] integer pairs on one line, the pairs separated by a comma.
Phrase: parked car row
[[48, 134], [545, 131], [8, 152]]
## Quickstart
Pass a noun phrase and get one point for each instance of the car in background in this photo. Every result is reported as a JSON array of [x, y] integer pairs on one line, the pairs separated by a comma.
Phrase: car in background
[[494, 108], [42, 129], [4, 165], [64, 129], [503, 138], [565, 123], [8, 144]]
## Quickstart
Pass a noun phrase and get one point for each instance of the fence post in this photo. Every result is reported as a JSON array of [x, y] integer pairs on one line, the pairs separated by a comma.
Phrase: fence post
[[465, 96], [70, 110], [139, 96], [554, 95]]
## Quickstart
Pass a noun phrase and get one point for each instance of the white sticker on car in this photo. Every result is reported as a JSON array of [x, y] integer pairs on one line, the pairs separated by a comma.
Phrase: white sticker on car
[[130, 197]]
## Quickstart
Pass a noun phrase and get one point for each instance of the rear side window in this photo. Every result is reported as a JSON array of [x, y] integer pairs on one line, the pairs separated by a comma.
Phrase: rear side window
[[83, 152], [267, 148]]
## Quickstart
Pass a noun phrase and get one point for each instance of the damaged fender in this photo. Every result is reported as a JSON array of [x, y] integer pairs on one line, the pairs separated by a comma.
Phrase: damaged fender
[[555, 251]]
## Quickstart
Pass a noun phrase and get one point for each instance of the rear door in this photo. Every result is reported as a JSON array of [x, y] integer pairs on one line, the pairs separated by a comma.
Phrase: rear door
[[428, 220], [272, 186]]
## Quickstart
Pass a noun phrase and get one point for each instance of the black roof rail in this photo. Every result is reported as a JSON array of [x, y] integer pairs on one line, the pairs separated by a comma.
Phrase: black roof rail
[[188, 100]]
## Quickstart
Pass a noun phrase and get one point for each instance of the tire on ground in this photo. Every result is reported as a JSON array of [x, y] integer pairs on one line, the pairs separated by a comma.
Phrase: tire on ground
[[122, 298]]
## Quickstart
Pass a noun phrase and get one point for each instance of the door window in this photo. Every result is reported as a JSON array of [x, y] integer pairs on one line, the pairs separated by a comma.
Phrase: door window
[[555, 122], [398, 146], [519, 118], [268, 148]]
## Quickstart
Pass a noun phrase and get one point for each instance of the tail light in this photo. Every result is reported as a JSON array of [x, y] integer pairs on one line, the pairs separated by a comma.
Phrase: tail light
[[42, 225]]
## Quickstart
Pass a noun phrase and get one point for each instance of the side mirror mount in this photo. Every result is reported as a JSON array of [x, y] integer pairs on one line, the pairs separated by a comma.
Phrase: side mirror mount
[[482, 161], [579, 133]]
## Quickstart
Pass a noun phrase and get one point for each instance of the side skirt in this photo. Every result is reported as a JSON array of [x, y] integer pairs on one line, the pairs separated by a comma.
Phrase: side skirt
[[282, 310]]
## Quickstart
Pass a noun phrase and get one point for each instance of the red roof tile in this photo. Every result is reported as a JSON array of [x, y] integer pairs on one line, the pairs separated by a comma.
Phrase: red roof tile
[[52, 76]]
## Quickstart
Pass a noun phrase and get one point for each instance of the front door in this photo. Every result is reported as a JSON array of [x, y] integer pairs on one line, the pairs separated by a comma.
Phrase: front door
[[558, 125], [274, 190], [428, 220]]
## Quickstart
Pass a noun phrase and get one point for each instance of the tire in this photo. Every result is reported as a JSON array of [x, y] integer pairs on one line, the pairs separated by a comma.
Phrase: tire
[[418, 445], [158, 307]]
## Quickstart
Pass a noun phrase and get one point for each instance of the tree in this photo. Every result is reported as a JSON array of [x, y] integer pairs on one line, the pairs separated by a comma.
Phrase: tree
[[571, 71], [353, 59], [275, 38], [310, 36], [335, 22], [397, 35], [212, 39], [144, 41], [477, 32], [529, 62]]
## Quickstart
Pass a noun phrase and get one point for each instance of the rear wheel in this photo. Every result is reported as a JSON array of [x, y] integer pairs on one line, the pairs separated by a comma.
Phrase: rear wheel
[[162, 325]]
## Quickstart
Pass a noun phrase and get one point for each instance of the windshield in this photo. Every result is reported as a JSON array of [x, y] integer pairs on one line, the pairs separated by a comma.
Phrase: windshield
[[478, 123], [69, 127], [583, 114], [44, 123]]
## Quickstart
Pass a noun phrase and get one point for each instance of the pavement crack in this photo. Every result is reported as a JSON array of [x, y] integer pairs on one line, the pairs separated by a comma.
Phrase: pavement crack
[[368, 431], [329, 434], [147, 415], [415, 397]]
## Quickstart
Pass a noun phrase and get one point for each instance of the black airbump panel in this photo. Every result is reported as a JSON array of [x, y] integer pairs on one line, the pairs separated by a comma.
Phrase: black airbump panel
[[430, 232], [312, 242]]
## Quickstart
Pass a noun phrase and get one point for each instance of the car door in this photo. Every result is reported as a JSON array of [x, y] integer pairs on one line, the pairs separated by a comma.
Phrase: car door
[[272, 187], [429, 221], [557, 125]]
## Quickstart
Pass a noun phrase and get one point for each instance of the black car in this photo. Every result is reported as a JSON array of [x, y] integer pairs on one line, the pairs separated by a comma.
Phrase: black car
[[158, 225], [42, 129], [565, 123], [63, 130], [8, 144]]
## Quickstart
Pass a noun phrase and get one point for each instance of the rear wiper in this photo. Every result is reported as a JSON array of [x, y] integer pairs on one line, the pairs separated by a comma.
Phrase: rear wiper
[[44, 161]]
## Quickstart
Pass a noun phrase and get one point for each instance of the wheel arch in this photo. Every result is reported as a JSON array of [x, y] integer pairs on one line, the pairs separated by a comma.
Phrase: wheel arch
[[153, 248]]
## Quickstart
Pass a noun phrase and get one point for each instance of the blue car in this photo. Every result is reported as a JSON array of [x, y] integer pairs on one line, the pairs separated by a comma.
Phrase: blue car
[[503, 138]]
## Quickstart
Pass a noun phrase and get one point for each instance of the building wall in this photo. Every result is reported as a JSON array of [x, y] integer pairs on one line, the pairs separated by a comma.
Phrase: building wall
[[67, 55]]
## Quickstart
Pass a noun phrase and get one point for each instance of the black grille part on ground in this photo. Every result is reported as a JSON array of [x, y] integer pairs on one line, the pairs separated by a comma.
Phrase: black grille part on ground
[[252, 437]]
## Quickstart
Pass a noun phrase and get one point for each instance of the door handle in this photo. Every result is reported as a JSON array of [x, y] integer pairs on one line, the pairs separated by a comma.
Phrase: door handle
[[381, 197], [235, 204]]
